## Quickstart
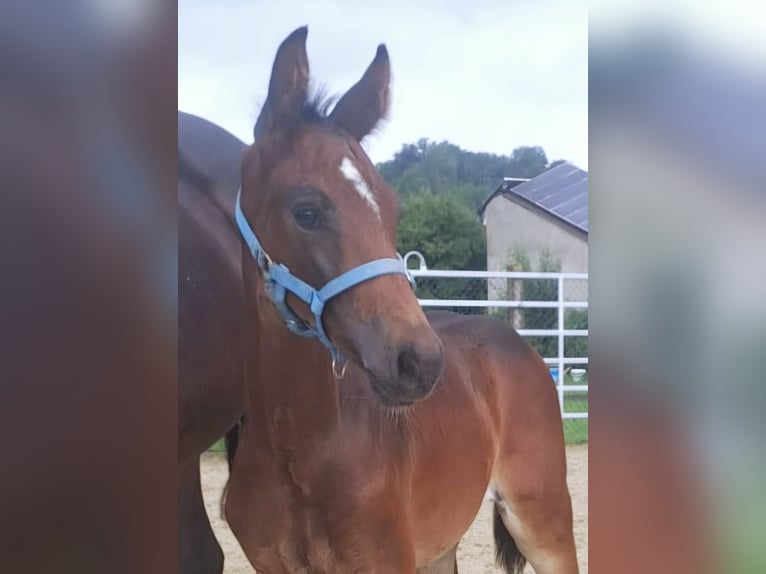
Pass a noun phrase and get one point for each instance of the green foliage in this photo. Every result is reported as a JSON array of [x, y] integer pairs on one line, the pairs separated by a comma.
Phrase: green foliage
[[443, 229], [576, 319], [449, 236], [546, 290], [219, 446], [444, 168], [441, 188], [539, 290]]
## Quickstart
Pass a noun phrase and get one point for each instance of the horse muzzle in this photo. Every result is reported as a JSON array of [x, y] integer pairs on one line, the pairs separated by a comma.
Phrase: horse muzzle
[[409, 371]]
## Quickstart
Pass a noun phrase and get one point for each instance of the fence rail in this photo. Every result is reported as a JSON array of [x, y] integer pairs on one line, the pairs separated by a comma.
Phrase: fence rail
[[506, 304], [502, 293]]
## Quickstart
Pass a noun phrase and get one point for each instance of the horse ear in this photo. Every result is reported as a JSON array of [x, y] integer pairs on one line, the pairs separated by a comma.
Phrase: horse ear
[[288, 86], [366, 103]]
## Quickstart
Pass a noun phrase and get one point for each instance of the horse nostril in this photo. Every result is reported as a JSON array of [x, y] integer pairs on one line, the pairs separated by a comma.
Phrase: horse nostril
[[409, 367]]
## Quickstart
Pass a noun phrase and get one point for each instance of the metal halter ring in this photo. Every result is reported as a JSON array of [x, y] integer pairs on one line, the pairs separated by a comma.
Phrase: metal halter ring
[[339, 372]]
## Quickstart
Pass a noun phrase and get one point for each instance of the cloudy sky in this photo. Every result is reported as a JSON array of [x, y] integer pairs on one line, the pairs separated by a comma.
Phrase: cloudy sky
[[488, 75]]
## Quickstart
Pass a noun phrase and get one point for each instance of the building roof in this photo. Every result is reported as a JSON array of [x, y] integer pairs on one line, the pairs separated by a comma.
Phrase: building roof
[[560, 191]]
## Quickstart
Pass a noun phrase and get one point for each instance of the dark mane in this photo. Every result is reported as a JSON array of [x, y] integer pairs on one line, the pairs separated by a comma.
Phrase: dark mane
[[318, 105], [315, 110]]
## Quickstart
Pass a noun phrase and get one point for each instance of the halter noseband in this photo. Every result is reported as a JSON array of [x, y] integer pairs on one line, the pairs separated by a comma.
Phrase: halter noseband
[[279, 281]]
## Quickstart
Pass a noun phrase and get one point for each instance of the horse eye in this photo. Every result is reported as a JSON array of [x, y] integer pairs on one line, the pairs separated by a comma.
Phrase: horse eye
[[306, 216]]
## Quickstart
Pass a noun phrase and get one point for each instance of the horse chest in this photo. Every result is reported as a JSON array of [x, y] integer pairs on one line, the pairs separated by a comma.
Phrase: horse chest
[[307, 516], [290, 557], [309, 538]]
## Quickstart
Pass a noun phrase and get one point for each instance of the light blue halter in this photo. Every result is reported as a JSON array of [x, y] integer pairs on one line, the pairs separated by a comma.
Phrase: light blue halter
[[279, 281]]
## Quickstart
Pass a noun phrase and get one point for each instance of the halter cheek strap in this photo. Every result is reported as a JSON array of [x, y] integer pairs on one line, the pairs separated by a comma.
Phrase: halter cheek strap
[[279, 281]]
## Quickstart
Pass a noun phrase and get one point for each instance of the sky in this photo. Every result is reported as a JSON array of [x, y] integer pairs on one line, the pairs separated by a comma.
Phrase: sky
[[487, 75]]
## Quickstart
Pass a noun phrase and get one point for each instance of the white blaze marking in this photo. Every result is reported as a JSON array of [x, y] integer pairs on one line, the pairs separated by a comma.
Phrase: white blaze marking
[[349, 171]]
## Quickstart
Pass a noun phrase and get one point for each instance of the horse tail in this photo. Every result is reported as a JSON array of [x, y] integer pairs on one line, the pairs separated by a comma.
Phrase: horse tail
[[507, 553], [230, 441]]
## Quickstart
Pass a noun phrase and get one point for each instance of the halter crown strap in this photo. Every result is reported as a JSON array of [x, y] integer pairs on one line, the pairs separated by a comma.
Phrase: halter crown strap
[[279, 281]]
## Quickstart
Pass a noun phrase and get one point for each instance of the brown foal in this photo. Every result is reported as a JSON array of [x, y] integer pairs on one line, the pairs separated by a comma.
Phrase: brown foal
[[384, 467]]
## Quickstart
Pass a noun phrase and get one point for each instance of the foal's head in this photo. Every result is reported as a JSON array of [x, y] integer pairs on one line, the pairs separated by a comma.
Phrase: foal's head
[[319, 206]]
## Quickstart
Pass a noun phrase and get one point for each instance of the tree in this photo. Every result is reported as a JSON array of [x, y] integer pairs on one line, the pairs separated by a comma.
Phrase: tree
[[445, 168], [443, 229], [530, 161], [450, 236], [442, 187]]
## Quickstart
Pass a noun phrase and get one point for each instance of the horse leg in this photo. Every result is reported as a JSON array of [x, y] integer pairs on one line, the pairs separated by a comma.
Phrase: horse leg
[[447, 564], [526, 529], [198, 549], [533, 515]]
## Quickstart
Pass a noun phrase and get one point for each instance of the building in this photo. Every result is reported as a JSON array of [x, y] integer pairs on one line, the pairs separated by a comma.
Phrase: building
[[543, 217]]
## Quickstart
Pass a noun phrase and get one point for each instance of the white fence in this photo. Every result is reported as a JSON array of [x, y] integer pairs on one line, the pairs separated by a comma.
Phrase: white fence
[[562, 367]]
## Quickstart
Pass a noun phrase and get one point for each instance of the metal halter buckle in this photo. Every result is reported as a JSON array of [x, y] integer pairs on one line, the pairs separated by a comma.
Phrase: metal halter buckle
[[339, 372]]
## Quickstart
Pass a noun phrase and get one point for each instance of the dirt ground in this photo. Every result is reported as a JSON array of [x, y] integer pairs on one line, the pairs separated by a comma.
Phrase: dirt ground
[[476, 550]]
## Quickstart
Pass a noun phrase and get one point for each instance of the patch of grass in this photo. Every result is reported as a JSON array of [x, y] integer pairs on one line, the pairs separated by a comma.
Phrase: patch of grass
[[575, 430], [219, 446]]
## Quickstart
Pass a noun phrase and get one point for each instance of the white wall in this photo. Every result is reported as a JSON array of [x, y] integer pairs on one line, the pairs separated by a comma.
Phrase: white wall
[[509, 224]]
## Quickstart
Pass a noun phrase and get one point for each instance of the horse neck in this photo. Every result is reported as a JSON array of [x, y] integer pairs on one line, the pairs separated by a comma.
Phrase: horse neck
[[289, 381]]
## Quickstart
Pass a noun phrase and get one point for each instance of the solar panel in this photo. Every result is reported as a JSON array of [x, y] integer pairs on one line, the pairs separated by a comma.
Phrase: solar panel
[[579, 217], [561, 191], [577, 201]]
